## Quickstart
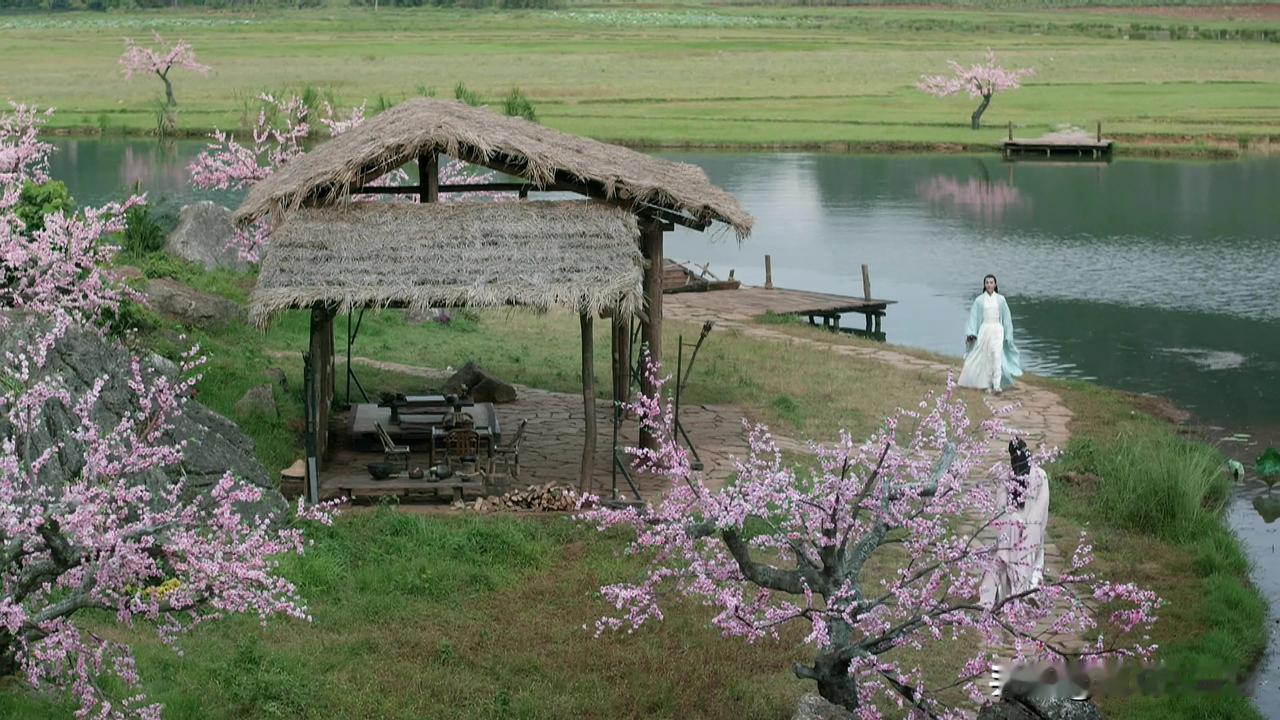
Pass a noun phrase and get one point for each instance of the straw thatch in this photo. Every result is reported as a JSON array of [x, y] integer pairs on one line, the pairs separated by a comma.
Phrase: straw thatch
[[326, 174], [578, 254]]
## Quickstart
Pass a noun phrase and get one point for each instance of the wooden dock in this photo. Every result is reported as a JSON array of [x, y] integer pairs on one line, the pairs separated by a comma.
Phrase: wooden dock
[[1072, 144], [748, 302]]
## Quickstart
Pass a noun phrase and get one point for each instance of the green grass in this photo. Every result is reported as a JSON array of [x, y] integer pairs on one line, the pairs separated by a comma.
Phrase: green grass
[[678, 75], [455, 617], [1155, 517], [433, 615]]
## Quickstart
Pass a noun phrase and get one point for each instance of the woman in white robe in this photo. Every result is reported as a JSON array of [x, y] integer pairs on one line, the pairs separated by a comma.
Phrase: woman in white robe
[[1020, 547], [991, 360]]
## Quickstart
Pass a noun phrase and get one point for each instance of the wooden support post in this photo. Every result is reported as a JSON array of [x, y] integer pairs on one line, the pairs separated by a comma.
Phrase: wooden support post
[[866, 282], [651, 336], [321, 349], [878, 316], [429, 178], [1010, 130], [621, 347], [1099, 131], [588, 402], [868, 316], [768, 272]]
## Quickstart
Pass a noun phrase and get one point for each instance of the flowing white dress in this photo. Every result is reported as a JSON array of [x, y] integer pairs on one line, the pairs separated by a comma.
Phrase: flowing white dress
[[984, 365], [1020, 547]]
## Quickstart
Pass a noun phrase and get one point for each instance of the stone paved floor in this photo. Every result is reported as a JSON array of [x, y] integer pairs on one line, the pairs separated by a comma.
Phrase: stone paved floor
[[552, 446]]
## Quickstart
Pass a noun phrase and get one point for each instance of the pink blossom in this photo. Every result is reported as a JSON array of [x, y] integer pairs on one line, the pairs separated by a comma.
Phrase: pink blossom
[[164, 556], [159, 60], [785, 544], [978, 81]]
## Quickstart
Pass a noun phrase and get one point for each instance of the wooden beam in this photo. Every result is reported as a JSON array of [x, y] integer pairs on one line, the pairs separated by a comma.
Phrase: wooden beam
[[588, 402], [651, 336], [563, 182], [672, 217], [866, 282], [516, 187]]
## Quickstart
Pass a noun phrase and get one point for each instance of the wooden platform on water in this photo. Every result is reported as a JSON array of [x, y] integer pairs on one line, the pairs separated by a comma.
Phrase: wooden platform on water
[[748, 301], [1059, 145]]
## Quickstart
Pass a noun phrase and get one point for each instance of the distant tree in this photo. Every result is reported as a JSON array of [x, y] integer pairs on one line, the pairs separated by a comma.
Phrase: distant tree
[[980, 81], [160, 60]]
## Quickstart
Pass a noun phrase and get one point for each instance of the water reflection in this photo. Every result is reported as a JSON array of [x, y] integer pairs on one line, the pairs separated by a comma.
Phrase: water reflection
[[982, 199], [154, 167], [1268, 507]]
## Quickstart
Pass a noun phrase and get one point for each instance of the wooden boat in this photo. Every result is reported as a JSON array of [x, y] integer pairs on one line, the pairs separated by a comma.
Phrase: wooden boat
[[680, 277]]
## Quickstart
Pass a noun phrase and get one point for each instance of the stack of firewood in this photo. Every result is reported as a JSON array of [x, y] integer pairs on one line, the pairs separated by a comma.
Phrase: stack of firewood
[[548, 497]]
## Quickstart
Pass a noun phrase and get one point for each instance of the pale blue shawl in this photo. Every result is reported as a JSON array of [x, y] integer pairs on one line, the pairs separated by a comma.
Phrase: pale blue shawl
[[1012, 364]]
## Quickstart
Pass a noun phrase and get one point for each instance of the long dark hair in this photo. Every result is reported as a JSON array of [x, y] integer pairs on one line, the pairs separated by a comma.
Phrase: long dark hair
[[1020, 460], [993, 280]]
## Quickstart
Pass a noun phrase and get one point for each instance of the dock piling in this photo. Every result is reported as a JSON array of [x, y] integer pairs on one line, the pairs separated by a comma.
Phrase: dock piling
[[768, 272]]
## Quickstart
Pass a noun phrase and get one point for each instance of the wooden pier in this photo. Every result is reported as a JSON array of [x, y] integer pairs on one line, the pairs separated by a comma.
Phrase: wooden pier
[[747, 302], [1059, 145]]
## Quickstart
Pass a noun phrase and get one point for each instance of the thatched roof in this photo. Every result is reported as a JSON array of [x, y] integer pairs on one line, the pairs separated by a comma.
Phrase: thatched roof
[[578, 254], [326, 174]]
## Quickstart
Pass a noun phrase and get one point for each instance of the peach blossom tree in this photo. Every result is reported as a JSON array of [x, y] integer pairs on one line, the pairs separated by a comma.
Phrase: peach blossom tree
[[977, 80]]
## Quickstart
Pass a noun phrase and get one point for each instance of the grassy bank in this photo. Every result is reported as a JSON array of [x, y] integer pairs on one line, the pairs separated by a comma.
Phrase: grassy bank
[[687, 75], [1153, 503]]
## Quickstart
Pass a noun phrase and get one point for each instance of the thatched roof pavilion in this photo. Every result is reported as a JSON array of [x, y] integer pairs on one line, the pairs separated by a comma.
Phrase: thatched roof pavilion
[[546, 158], [580, 255], [601, 256]]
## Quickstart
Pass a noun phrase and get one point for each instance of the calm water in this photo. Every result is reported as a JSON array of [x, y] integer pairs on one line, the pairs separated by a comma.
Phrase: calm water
[[1152, 276]]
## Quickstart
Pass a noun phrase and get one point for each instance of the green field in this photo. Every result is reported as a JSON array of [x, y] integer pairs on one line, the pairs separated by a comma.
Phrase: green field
[[676, 75]]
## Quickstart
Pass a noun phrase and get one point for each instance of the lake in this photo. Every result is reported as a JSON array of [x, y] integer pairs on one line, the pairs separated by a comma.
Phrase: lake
[[1153, 276]]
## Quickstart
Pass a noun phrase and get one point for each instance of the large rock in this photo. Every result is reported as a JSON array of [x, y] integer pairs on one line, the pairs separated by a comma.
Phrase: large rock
[[476, 382], [202, 234], [214, 444], [190, 306], [276, 376], [1024, 700], [258, 399], [812, 706]]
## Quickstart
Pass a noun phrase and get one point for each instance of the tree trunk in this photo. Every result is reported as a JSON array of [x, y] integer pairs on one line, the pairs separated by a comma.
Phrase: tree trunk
[[8, 663], [835, 684], [975, 121], [169, 100]]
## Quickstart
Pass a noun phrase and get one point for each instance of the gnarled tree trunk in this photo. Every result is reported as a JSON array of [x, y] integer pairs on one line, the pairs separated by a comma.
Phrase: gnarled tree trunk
[[975, 120], [835, 684], [169, 100]]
